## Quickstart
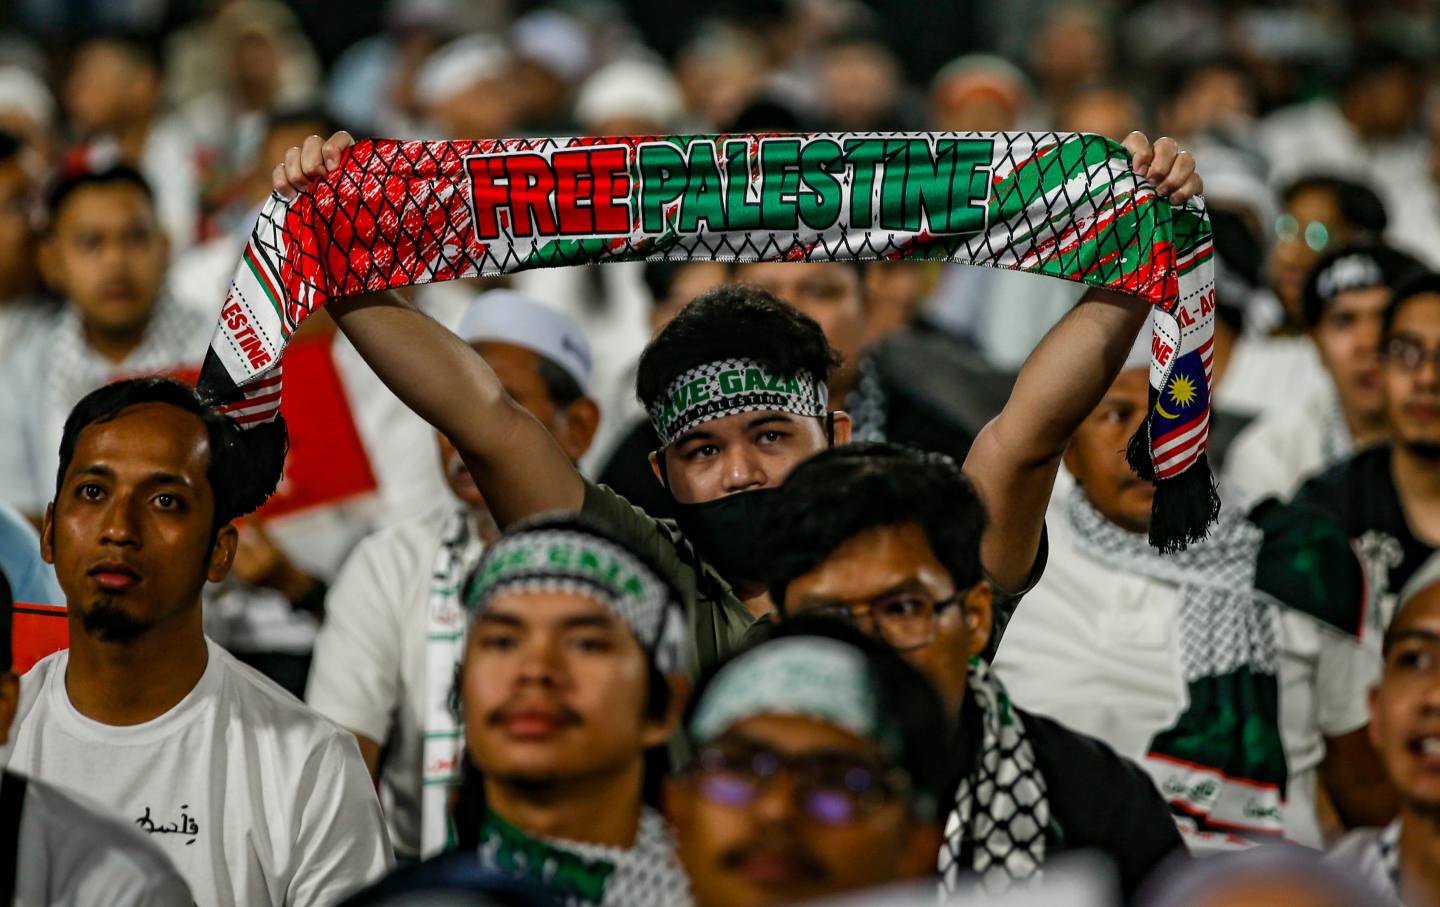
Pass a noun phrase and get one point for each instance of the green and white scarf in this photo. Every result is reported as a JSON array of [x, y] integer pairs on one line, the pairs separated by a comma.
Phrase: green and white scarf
[[578, 874], [1001, 813], [1064, 205]]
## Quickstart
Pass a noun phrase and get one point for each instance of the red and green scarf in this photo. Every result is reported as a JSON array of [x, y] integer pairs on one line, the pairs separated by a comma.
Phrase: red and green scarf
[[1069, 206]]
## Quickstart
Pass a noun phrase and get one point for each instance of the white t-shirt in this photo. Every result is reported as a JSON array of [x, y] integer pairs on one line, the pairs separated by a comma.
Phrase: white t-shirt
[[255, 798], [71, 854], [1098, 650], [370, 670], [1268, 373], [1277, 452]]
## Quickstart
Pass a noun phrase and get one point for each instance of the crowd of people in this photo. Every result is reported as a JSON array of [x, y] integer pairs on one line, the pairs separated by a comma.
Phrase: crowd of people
[[493, 612]]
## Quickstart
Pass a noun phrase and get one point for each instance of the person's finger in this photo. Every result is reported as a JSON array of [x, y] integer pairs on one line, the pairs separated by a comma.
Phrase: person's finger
[[1180, 173], [334, 145], [280, 182], [312, 160], [1141, 152], [1164, 161], [294, 175]]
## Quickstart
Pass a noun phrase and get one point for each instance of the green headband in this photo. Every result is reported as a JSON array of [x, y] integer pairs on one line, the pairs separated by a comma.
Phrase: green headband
[[580, 563]]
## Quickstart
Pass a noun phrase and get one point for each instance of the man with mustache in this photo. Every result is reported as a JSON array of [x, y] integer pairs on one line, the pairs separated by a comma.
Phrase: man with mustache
[[255, 799], [815, 772], [104, 251], [573, 671], [1398, 860], [889, 539], [394, 629], [1388, 497], [737, 387], [1343, 302], [59, 850], [1230, 671]]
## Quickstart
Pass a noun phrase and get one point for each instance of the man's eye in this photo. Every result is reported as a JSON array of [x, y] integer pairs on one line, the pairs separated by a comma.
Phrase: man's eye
[[701, 452], [497, 642], [1116, 414], [591, 644], [89, 491], [901, 607], [167, 501], [771, 437], [1415, 660]]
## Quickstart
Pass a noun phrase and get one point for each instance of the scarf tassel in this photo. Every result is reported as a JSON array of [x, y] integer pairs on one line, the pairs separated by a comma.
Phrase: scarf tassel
[[1185, 505]]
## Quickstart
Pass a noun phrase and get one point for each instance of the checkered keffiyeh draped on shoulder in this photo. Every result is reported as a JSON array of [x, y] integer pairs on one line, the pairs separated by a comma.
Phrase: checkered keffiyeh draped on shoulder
[[1064, 205]]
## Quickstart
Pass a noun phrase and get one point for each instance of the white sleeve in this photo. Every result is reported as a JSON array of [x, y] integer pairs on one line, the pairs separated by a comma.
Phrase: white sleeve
[[1252, 469], [1344, 675], [355, 670], [340, 842], [20, 486]]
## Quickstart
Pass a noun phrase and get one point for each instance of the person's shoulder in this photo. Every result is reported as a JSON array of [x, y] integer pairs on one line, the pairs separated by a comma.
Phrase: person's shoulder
[[1345, 478], [88, 831], [409, 538], [262, 706], [1076, 754]]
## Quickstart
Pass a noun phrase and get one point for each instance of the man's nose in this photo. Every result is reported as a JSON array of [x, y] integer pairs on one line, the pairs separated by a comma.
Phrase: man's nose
[[120, 525], [776, 801], [743, 470]]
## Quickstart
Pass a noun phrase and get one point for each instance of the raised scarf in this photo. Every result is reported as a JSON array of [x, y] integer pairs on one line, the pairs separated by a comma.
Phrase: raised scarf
[[1060, 204]]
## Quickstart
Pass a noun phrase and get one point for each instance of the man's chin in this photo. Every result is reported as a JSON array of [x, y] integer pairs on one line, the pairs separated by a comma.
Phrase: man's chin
[[108, 622]]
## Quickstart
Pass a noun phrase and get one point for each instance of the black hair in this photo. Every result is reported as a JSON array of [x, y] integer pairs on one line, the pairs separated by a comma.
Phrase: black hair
[[734, 321], [844, 491], [245, 464], [906, 698], [140, 48], [1395, 266], [469, 813], [10, 147], [1177, 78], [1239, 263], [1419, 283], [7, 625], [1358, 203], [114, 175]]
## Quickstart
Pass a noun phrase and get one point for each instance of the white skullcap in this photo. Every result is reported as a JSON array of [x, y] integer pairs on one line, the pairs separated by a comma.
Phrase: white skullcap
[[504, 316], [459, 65], [1139, 355], [555, 41], [629, 88], [21, 90]]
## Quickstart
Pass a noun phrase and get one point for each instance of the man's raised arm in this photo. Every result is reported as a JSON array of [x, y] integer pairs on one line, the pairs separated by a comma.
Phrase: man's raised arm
[[1015, 458], [517, 464]]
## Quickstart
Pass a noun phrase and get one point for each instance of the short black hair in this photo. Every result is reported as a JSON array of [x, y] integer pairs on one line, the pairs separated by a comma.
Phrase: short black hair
[[113, 175], [904, 695], [1395, 266], [245, 464], [734, 321], [844, 491], [1358, 203], [1419, 283]]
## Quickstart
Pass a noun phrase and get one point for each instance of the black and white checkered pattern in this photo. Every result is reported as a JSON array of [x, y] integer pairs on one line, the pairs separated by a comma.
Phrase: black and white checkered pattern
[[812, 398]]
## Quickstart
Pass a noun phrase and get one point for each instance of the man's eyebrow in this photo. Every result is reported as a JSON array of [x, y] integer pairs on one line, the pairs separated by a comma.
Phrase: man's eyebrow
[[909, 584], [499, 617], [604, 621], [1412, 633], [769, 418], [168, 478], [99, 470], [696, 434]]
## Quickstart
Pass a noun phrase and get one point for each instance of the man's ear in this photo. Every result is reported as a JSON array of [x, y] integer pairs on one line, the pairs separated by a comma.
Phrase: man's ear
[[842, 425], [655, 456], [978, 609], [9, 704], [582, 420], [658, 731], [677, 799], [222, 553], [47, 535], [47, 261]]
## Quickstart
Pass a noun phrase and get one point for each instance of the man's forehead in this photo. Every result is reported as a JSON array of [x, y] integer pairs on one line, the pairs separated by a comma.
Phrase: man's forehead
[[1418, 315], [741, 422], [1420, 613], [146, 434], [875, 560], [794, 271], [797, 735]]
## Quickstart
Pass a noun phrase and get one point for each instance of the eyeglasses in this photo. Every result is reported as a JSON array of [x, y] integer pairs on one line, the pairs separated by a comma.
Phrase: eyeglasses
[[831, 788], [1315, 233], [1408, 354], [905, 620]]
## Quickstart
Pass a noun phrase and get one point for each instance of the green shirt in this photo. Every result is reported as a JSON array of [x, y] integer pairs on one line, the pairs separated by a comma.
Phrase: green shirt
[[719, 621]]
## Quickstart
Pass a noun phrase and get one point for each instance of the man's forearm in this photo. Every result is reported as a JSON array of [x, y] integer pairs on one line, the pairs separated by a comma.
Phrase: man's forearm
[[1065, 377]]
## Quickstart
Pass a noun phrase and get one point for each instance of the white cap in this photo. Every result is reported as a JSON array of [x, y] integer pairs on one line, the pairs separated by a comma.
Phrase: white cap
[[554, 40], [629, 88], [504, 316], [21, 90], [459, 65]]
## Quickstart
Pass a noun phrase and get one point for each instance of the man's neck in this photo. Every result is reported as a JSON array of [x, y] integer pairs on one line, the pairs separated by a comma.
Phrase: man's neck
[[130, 683], [597, 810], [1364, 430], [756, 598], [1419, 859], [1417, 481], [132, 137], [114, 347]]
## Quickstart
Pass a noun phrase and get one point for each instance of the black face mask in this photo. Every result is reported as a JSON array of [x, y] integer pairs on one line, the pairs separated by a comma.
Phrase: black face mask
[[726, 531]]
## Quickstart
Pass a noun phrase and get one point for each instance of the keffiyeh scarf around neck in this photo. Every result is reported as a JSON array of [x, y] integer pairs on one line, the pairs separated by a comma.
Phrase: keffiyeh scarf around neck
[[996, 829], [1064, 205], [592, 875], [1222, 767]]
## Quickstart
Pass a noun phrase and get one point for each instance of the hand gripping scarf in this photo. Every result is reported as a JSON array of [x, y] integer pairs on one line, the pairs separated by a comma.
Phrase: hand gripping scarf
[[1065, 205]]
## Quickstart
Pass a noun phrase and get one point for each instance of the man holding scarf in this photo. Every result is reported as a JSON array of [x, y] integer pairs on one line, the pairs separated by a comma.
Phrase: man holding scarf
[[573, 669], [386, 655], [889, 539], [739, 399], [1231, 671]]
